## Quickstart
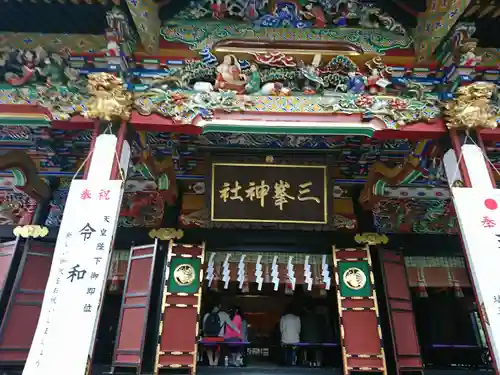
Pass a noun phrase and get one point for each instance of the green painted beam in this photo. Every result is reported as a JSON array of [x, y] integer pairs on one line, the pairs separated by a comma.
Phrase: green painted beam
[[295, 130]]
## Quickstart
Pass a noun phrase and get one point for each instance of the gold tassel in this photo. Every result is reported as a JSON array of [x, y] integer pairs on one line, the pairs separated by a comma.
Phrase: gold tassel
[[422, 289], [457, 290]]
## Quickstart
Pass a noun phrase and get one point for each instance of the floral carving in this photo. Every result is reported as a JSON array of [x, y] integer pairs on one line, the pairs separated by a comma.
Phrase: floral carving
[[398, 111], [59, 100], [183, 109]]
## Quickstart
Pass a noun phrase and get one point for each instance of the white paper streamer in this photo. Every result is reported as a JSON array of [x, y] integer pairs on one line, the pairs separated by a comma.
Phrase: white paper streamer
[[307, 273], [275, 274], [291, 272], [325, 272], [226, 272], [210, 269], [241, 271], [258, 273]]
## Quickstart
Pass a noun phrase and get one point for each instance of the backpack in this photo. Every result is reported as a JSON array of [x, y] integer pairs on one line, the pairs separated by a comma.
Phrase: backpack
[[212, 325]]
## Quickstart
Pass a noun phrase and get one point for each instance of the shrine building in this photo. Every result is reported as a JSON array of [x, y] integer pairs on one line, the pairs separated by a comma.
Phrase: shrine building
[[318, 178]]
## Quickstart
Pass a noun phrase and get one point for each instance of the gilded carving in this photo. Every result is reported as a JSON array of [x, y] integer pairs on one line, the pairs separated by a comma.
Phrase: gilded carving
[[371, 238], [354, 278], [109, 98], [183, 109], [34, 231], [166, 233], [472, 107], [184, 274]]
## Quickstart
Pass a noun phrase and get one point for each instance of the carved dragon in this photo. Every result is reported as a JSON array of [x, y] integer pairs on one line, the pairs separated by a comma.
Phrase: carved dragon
[[162, 171], [109, 99], [32, 184], [472, 108], [423, 216], [381, 175]]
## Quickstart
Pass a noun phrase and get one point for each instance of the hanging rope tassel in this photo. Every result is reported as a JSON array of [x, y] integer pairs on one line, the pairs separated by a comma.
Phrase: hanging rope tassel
[[421, 285], [457, 289], [215, 281]]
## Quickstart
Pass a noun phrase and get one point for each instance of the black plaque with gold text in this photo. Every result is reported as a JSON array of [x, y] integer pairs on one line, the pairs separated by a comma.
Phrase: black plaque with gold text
[[269, 193]]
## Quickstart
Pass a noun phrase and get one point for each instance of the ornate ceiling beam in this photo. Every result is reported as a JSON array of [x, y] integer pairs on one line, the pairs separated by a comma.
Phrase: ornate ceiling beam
[[83, 2], [145, 15], [482, 8], [76, 43], [435, 23]]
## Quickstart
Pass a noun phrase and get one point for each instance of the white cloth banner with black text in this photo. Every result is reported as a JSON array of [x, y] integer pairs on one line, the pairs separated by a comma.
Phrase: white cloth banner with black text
[[68, 320], [478, 213]]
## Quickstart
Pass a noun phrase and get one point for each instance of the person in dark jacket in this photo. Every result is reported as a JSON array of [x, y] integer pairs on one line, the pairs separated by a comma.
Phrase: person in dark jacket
[[314, 331]]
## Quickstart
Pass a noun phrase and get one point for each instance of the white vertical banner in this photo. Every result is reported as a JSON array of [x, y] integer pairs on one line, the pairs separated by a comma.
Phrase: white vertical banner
[[70, 311], [478, 213]]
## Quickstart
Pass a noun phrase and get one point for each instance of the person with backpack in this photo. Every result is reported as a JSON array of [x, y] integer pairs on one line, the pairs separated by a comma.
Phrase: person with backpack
[[214, 327]]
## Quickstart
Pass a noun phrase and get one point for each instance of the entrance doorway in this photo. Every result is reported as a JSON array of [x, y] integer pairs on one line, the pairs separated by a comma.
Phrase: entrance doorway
[[449, 329], [268, 313], [108, 324]]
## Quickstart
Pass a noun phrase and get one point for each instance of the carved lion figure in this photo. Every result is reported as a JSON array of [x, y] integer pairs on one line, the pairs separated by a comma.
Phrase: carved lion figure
[[109, 99], [472, 107]]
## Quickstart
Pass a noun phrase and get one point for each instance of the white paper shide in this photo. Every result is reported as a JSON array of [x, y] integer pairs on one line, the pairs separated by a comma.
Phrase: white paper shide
[[478, 213], [68, 319]]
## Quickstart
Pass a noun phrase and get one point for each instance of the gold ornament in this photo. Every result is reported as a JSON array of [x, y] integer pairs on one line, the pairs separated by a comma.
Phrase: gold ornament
[[371, 238], [34, 231], [472, 108], [354, 278], [109, 99], [166, 234], [184, 274]]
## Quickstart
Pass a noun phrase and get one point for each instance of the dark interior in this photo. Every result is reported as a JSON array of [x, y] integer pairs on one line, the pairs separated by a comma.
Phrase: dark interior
[[449, 331], [263, 310]]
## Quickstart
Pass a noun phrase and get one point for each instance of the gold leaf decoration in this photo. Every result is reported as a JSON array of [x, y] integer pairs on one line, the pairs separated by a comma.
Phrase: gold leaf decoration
[[109, 98], [371, 238], [33, 231], [472, 108], [166, 233]]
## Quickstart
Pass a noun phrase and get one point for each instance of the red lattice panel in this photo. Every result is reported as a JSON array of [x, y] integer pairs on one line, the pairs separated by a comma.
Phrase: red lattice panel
[[23, 310], [134, 312], [401, 317]]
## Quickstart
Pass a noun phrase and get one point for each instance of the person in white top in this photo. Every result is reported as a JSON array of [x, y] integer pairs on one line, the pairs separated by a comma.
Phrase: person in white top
[[290, 328], [290, 334]]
